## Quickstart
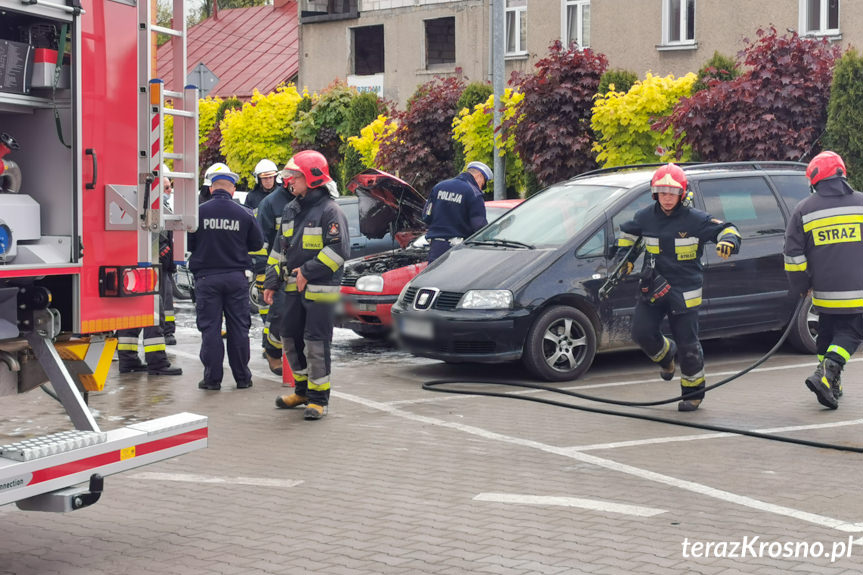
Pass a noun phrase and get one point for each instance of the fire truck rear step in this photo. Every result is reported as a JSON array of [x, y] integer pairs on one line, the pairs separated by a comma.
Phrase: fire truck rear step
[[44, 474]]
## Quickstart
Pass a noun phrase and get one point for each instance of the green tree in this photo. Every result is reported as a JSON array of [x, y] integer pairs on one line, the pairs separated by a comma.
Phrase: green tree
[[617, 80], [845, 115], [719, 67]]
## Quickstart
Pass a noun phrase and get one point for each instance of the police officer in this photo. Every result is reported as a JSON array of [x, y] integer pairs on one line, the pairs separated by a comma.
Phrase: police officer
[[220, 248], [314, 246], [823, 251], [674, 235], [455, 208], [269, 214]]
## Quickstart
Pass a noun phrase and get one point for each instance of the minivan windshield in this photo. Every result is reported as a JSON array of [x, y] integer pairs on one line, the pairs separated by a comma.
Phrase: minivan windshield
[[549, 220]]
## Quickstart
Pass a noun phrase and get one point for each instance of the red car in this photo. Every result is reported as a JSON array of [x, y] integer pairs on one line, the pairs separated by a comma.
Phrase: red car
[[371, 285]]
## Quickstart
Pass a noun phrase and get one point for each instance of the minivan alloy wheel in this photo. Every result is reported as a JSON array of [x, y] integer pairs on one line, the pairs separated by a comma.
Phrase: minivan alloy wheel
[[560, 345]]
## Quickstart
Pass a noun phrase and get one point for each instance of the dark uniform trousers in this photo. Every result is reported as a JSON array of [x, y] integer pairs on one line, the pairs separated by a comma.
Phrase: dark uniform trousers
[[839, 336], [684, 329], [273, 325], [168, 319], [307, 333], [154, 347], [154, 343], [217, 294]]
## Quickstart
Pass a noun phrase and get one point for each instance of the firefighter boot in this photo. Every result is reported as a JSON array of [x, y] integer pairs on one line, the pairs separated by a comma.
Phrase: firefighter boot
[[822, 380], [314, 411], [837, 388], [291, 401], [667, 364], [275, 363]]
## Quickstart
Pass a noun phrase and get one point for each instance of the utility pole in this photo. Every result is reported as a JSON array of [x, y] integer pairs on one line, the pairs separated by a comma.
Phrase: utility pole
[[498, 49]]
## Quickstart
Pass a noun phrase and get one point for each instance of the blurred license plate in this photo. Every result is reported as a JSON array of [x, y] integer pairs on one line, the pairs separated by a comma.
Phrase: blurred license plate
[[418, 328], [365, 307]]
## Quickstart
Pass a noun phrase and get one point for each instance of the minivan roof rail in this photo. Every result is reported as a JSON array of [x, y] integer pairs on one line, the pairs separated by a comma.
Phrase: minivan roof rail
[[755, 165]]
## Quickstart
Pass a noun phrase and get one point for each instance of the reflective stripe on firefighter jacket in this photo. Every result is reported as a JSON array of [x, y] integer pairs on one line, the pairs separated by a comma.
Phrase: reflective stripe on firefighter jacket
[[676, 243], [269, 214], [824, 248], [314, 238]]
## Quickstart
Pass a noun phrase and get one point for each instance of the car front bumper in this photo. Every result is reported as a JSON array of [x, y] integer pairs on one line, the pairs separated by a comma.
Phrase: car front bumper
[[481, 336]]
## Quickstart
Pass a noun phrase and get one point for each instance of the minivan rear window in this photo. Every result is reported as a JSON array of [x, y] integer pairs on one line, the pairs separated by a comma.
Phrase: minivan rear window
[[550, 219]]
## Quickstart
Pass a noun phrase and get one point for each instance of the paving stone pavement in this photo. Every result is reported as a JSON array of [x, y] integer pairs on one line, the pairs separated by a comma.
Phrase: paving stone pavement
[[401, 480]]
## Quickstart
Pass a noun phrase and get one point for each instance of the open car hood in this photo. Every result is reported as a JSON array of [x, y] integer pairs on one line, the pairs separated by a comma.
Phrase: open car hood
[[387, 204]]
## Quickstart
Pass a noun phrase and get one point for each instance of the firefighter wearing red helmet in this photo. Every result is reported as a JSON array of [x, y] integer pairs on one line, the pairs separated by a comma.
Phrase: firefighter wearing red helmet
[[674, 235], [823, 251], [308, 268]]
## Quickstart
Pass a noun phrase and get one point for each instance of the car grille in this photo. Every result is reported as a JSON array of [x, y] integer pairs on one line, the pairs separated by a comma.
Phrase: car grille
[[350, 281], [410, 296], [445, 301], [467, 347]]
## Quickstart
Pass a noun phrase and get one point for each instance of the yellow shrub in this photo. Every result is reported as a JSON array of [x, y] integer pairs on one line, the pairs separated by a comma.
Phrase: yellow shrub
[[622, 121], [207, 110], [260, 129], [475, 131], [368, 143]]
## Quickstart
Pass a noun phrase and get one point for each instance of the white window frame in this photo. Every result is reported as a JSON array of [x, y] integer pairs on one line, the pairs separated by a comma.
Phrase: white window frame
[[517, 10], [822, 30], [579, 5], [684, 17]]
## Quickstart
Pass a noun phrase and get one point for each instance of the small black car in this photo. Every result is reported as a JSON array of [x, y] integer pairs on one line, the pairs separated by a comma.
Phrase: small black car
[[525, 287]]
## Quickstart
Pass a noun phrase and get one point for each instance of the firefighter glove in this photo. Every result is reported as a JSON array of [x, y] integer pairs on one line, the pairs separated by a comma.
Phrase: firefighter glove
[[627, 268], [259, 281], [724, 249]]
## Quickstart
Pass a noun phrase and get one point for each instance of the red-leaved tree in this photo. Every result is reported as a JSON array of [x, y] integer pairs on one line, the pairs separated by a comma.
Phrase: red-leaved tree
[[553, 137], [421, 149], [776, 110]]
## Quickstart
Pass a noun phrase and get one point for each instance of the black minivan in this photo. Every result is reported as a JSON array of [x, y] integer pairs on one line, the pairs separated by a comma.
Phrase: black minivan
[[525, 287]]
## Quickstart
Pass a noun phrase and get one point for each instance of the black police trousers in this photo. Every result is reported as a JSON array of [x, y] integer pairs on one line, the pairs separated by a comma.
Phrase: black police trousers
[[216, 295], [839, 336], [307, 334], [684, 329]]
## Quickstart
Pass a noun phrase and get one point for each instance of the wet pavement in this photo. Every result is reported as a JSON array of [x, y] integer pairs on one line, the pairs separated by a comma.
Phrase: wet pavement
[[396, 479]]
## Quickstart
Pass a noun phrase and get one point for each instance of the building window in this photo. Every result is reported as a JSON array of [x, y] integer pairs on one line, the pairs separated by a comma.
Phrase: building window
[[516, 27], [326, 10], [576, 22], [368, 50], [819, 16], [678, 21], [440, 42]]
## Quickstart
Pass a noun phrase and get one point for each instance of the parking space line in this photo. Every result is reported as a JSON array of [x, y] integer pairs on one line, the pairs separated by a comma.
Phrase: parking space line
[[212, 479], [592, 504], [683, 484], [696, 437]]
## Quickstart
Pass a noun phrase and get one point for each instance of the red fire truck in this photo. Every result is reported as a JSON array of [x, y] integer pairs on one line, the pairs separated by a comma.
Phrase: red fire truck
[[81, 166]]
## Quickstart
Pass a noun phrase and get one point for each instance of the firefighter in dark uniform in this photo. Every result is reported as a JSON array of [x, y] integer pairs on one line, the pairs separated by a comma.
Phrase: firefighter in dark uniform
[[269, 214], [823, 251], [674, 235], [455, 209], [166, 260], [155, 359], [314, 246], [266, 185], [220, 248]]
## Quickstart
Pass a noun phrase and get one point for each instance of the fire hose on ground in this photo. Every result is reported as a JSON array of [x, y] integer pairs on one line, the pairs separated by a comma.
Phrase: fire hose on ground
[[438, 385]]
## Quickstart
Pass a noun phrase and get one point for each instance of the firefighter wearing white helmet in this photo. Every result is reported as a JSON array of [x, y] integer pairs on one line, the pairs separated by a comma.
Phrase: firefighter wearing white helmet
[[265, 186], [674, 235], [265, 183]]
